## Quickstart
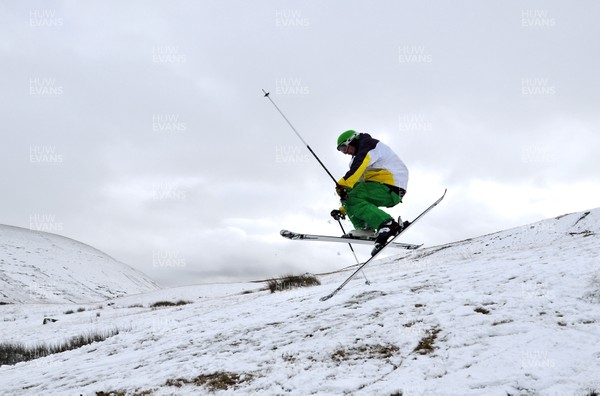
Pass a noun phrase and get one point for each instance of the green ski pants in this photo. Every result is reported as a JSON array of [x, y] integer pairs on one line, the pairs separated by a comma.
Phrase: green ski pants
[[364, 200]]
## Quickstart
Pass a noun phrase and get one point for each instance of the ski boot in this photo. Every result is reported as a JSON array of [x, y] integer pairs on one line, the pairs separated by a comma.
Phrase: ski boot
[[361, 233], [389, 228]]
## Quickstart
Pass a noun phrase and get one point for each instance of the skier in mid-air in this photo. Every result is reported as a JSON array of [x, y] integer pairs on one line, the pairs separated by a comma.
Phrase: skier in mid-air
[[377, 177]]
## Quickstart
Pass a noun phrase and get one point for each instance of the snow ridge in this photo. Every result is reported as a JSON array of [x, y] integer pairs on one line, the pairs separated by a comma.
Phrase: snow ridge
[[41, 267], [515, 312]]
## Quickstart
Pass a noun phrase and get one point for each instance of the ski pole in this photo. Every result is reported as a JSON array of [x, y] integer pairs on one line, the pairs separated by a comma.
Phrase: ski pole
[[354, 253], [320, 162], [300, 137]]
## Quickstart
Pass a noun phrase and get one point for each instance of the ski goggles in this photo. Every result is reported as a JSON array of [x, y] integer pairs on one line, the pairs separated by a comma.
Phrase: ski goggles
[[343, 147]]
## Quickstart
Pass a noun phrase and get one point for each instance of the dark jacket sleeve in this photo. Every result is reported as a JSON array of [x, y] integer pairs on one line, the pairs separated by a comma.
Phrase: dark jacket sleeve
[[365, 144]]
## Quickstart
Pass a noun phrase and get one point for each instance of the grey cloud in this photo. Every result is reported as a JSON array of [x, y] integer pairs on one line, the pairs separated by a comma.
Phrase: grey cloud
[[167, 143]]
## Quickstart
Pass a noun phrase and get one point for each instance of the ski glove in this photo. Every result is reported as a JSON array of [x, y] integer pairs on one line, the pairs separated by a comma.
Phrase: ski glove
[[338, 214], [342, 192]]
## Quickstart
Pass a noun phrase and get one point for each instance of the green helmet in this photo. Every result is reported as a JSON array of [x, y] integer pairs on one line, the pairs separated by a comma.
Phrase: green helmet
[[346, 137]]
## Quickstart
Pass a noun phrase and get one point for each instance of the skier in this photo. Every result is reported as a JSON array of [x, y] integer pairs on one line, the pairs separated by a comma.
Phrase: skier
[[377, 177]]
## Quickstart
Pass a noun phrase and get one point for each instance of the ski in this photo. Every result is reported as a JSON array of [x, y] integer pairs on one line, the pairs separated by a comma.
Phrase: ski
[[327, 238], [360, 267]]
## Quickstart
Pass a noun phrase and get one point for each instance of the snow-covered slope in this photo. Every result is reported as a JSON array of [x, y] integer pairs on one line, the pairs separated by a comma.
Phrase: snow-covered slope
[[41, 267], [516, 312]]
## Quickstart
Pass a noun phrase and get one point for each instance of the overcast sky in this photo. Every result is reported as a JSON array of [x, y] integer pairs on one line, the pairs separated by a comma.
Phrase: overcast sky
[[139, 127]]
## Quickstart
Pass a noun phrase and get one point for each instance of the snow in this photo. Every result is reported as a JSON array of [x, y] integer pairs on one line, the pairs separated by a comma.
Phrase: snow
[[515, 312], [39, 267]]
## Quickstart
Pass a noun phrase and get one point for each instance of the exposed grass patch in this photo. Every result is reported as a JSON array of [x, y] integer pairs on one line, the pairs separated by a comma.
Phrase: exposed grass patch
[[124, 393], [482, 310], [69, 312], [159, 304], [502, 322], [288, 357], [219, 380], [426, 345], [585, 233], [364, 297], [4, 303], [419, 288], [81, 309], [365, 352], [412, 323], [289, 282], [13, 353], [252, 291]]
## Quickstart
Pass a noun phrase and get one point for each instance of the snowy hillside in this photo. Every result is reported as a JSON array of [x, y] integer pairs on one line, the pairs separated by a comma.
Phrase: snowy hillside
[[46, 268], [512, 313]]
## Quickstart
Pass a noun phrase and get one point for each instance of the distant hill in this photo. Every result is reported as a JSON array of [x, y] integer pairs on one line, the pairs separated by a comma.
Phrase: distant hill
[[38, 267]]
